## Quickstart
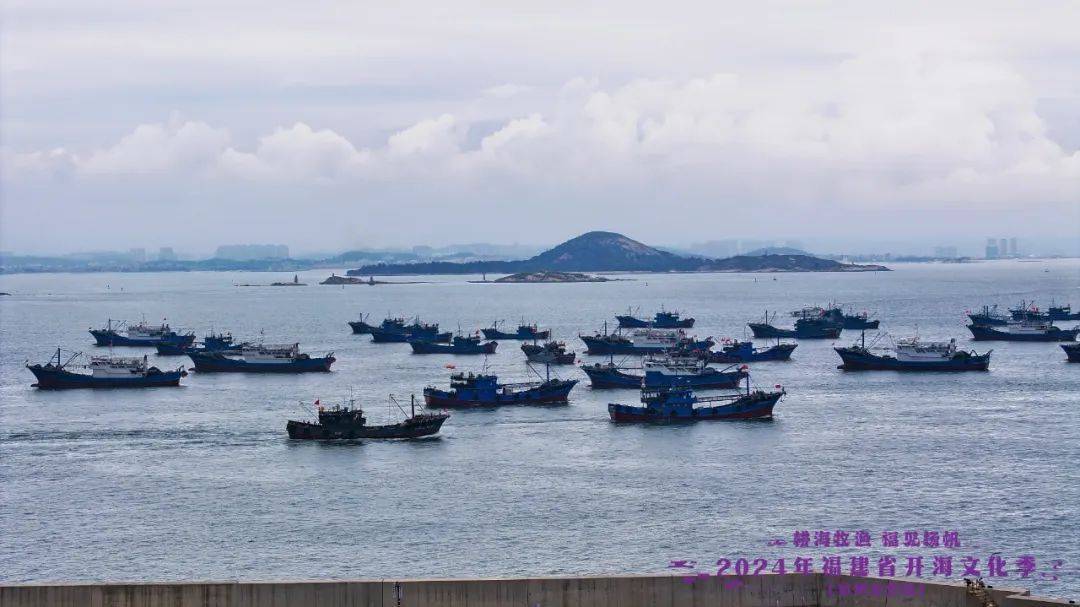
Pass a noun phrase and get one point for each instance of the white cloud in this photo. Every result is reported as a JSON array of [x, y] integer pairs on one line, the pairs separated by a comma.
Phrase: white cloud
[[505, 91]]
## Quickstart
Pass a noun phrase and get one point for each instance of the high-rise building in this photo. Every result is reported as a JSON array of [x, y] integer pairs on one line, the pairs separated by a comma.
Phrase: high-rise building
[[166, 254], [137, 255], [1003, 248], [991, 248], [1014, 250]]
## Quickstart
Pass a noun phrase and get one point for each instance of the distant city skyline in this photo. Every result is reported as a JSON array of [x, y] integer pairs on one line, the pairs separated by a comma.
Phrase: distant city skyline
[[380, 125]]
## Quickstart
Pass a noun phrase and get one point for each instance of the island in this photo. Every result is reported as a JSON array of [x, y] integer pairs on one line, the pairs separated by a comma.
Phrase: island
[[612, 252], [334, 279], [547, 276]]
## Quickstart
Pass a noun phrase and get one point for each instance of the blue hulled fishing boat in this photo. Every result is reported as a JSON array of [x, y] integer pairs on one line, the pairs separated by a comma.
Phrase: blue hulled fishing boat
[[214, 342], [812, 323], [860, 322], [483, 390], [262, 359], [105, 372], [140, 335], [1062, 312], [348, 422], [524, 332], [989, 317], [361, 327], [1072, 351], [661, 320], [643, 341], [1023, 331], [913, 355], [408, 332], [664, 371], [735, 351], [677, 404], [459, 345], [1027, 310], [549, 353]]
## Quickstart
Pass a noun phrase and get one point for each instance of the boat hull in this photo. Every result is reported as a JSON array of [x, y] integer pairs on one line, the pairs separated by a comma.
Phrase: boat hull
[[809, 331], [408, 429], [777, 352], [521, 334], [558, 392], [987, 321], [382, 336], [611, 378], [104, 337], [538, 354], [360, 327], [632, 322], [857, 360], [1072, 351], [753, 406], [216, 362], [857, 323], [761, 329], [985, 333], [59, 379], [427, 347], [601, 346]]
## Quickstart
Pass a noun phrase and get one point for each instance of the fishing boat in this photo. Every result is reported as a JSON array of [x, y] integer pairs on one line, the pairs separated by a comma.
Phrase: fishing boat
[[285, 358], [913, 355], [1023, 331], [989, 317], [1072, 351], [460, 344], [810, 326], [1027, 310], [549, 353], [214, 342], [735, 351], [140, 335], [664, 371], [484, 390], [104, 372], [661, 320], [523, 332], [349, 422], [859, 322], [361, 327], [1062, 312], [677, 404], [643, 341], [407, 332]]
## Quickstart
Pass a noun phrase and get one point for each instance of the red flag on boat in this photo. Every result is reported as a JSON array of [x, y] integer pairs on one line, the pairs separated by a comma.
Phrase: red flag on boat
[[744, 367], [316, 402], [450, 366], [778, 386]]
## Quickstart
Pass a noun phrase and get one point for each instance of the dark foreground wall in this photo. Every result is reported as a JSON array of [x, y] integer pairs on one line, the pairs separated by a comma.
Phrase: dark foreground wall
[[790, 590]]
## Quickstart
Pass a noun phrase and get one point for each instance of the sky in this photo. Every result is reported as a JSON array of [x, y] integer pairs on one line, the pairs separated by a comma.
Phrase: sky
[[338, 125]]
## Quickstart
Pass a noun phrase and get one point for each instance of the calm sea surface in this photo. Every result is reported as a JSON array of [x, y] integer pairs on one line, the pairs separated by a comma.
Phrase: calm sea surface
[[201, 482]]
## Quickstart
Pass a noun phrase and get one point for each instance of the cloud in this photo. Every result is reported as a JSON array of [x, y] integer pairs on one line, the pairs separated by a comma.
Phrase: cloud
[[887, 131], [505, 91]]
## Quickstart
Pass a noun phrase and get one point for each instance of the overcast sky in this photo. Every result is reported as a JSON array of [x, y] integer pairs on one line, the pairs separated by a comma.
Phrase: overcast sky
[[326, 125]]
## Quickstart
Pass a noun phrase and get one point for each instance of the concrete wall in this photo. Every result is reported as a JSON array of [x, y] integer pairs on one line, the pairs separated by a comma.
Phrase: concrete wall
[[790, 590]]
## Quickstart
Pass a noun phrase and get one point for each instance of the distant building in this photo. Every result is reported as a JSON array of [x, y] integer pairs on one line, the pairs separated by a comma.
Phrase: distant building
[[248, 252], [1014, 250], [946, 252], [137, 255], [1003, 248], [166, 254], [991, 248]]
